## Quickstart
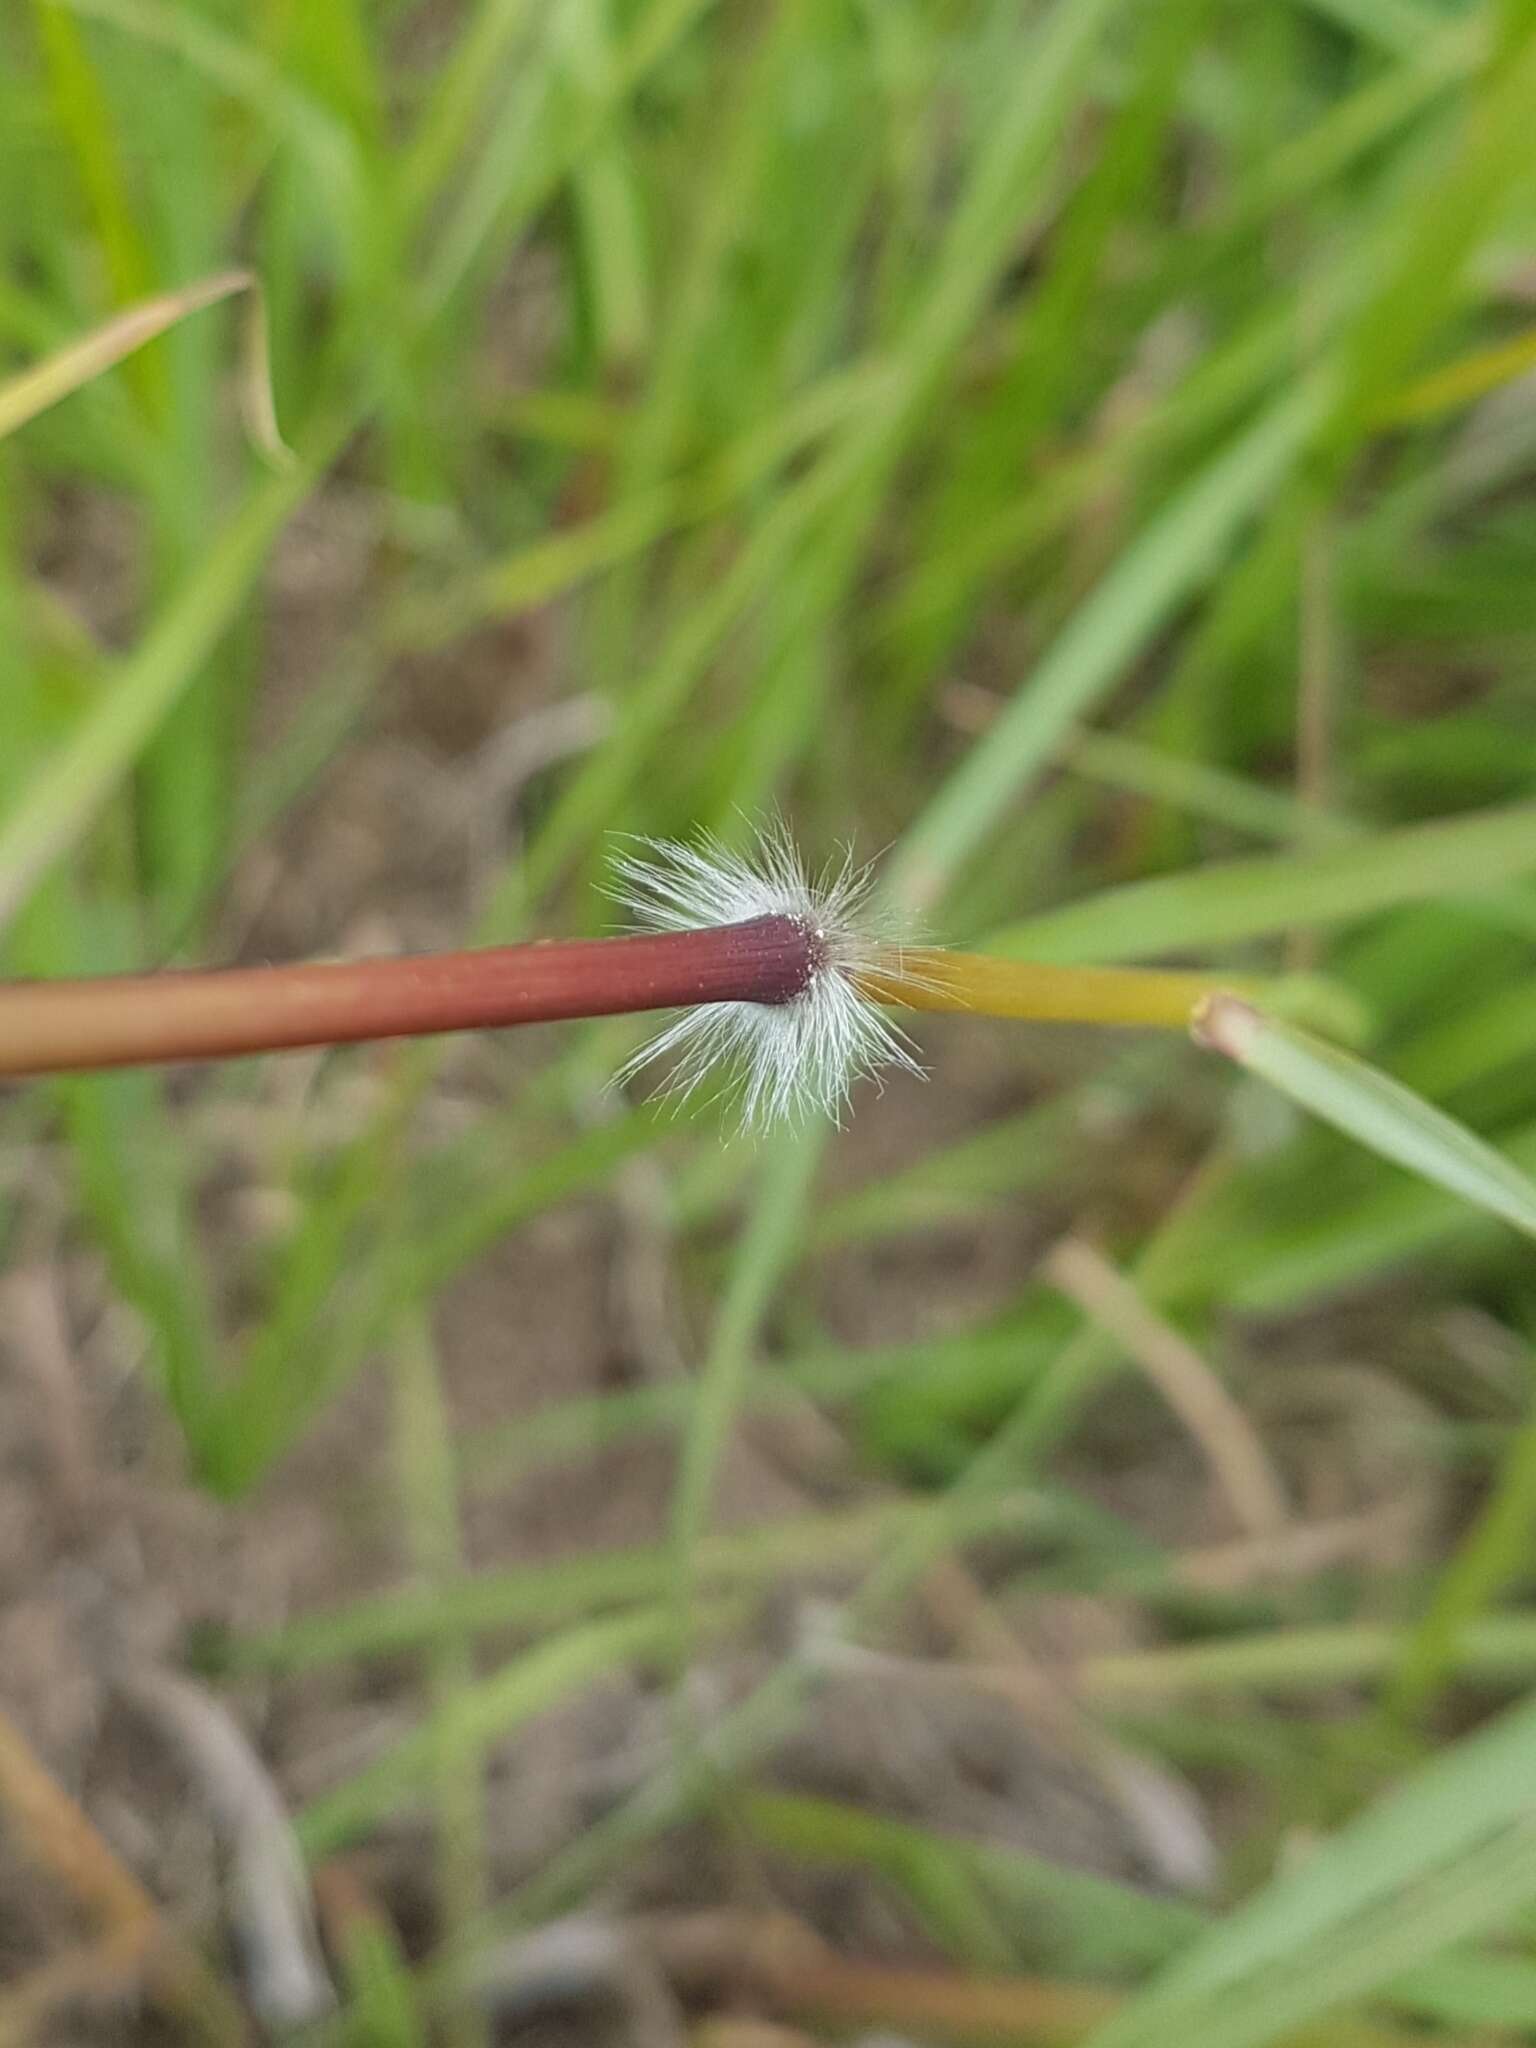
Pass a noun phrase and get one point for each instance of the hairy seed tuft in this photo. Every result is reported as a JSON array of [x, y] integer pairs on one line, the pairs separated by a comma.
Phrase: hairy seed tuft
[[781, 1061]]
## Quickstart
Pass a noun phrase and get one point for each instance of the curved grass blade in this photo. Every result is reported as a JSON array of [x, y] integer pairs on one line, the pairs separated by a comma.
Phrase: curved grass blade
[[59, 376]]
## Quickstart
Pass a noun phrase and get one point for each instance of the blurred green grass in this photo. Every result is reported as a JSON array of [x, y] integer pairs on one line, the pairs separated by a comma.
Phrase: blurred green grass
[[1011, 434]]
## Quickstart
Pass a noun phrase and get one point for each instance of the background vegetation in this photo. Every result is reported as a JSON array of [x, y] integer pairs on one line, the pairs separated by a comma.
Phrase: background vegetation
[[1085, 448]]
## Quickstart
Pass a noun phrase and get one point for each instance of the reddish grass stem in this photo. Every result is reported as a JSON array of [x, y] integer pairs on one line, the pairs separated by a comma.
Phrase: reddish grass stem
[[143, 1019]]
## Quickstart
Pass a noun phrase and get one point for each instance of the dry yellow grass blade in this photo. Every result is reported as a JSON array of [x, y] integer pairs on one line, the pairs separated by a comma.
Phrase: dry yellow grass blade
[[31, 391], [47, 1825], [1464, 381]]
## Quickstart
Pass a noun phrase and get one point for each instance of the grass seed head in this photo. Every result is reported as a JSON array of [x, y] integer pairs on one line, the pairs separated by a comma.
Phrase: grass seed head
[[772, 1062]]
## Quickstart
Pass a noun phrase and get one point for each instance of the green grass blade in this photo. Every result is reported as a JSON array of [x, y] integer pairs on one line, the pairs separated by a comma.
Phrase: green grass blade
[[1061, 1918], [778, 1216], [62, 800], [1371, 1107], [1179, 551], [1226, 902], [1443, 1858], [475, 1715], [1492, 1555]]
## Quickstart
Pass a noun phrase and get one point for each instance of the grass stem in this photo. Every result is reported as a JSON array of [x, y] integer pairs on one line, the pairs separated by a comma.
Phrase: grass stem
[[977, 984], [137, 1020]]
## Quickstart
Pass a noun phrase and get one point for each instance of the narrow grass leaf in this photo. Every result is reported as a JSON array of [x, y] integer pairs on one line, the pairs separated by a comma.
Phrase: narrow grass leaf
[[1065, 1918], [29, 392], [533, 1597], [1473, 1989], [477, 1715], [1371, 1107], [1394, 1868], [1176, 553], [192, 38], [1464, 381], [1289, 1663], [377, 1978], [1491, 1556], [62, 800], [1225, 902], [780, 1212], [85, 119], [1478, 1892]]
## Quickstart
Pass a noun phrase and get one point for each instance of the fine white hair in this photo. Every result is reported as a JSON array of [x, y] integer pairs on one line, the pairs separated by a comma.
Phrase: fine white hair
[[774, 1062]]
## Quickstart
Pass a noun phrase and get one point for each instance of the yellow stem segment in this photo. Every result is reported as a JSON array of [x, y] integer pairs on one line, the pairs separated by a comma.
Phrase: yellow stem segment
[[928, 978]]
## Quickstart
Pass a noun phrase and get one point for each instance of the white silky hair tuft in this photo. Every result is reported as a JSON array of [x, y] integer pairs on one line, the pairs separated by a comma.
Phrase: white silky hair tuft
[[774, 1062]]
